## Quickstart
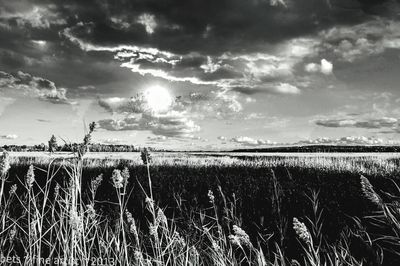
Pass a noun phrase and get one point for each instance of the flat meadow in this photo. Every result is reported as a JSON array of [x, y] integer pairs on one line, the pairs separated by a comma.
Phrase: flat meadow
[[188, 208]]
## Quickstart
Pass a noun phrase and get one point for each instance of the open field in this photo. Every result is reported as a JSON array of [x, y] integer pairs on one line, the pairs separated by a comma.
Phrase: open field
[[364, 163], [203, 208]]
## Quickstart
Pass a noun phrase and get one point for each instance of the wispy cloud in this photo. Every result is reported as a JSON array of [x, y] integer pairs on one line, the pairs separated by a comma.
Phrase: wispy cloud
[[9, 136], [110, 141], [235, 71], [366, 123], [43, 120], [255, 116]]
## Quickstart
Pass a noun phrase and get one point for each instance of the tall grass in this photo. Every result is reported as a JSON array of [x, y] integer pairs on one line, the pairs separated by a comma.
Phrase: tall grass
[[384, 164], [62, 221]]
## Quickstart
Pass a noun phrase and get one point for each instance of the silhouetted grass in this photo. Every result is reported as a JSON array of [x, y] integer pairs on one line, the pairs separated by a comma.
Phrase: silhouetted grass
[[201, 211]]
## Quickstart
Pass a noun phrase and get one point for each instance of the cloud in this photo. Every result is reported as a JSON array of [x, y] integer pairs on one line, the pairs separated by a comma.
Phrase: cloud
[[33, 16], [171, 124], [87, 88], [277, 3], [361, 40], [136, 105], [325, 67], [285, 88], [234, 71], [215, 104], [194, 137], [119, 124], [350, 140], [55, 96], [254, 116], [10, 136], [158, 138], [176, 120], [366, 123], [112, 141], [221, 138], [247, 46], [185, 137], [148, 21], [43, 120], [247, 141], [26, 84], [192, 28]]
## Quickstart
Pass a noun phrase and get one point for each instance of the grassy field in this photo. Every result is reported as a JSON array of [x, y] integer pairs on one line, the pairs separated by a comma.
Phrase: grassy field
[[200, 209]]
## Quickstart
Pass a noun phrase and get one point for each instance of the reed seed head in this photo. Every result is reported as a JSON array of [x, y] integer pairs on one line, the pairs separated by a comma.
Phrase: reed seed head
[[239, 237], [211, 197], [149, 203], [145, 156], [97, 182], [179, 240], [132, 225], [153, 230], [13, 189], [91, 212], [13, 232], [161, 218], [56, 190], [369, 192], [4, 163], [301, 231], [76, 222], [125, 175], [138, 255], [118, 180], [30, 176]]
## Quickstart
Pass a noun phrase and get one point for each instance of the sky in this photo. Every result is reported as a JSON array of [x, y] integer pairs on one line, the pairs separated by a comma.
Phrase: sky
[[190, 74]]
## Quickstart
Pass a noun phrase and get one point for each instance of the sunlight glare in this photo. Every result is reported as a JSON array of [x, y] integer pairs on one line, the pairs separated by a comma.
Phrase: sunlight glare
[[158, 99]]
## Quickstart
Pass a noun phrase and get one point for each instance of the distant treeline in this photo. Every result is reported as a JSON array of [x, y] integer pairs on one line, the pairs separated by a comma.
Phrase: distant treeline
[[325, 148], [73, 147], [132, 148]]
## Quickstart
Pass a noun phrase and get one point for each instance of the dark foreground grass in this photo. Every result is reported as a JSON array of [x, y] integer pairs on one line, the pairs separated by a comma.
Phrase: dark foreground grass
[[199, 215]]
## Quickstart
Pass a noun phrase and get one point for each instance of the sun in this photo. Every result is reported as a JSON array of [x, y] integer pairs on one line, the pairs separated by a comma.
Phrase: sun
[[158, 99]]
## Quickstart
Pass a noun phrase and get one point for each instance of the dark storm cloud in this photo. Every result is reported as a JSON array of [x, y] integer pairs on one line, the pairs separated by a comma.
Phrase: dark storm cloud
[[30, 41], [195, 41], [211, 26]]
